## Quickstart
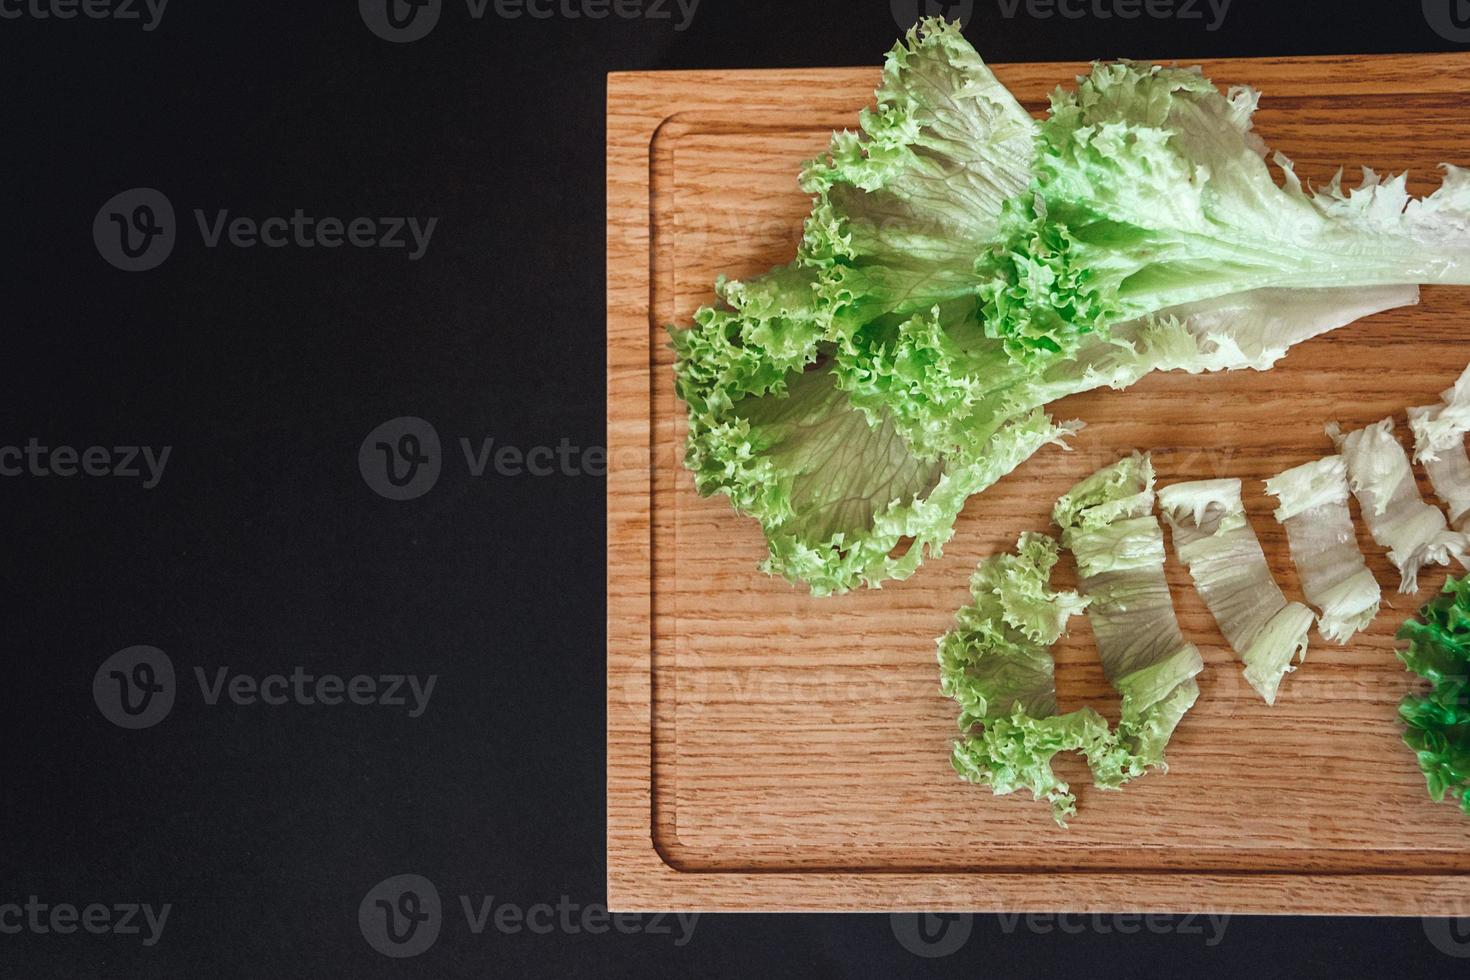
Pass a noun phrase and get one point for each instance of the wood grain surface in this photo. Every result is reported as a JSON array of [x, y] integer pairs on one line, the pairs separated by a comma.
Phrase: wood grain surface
[[768, 750]]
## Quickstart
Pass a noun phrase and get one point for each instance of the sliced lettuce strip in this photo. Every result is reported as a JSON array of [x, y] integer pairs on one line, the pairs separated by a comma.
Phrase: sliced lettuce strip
[[1439, 443], [1108, 524], [1215, 541], [997, 665], [1319, 530], [1414, 532]]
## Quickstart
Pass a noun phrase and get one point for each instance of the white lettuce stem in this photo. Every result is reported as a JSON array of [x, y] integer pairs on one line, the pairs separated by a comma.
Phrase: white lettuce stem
[[1324, 546], [1215, 541]]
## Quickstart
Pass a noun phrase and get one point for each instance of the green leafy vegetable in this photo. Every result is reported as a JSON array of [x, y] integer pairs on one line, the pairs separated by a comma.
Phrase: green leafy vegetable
[[1414, 532], [1439, 721], [1152, 190], [996, 663], [964, 266], [1213, 537], [1108, 524], [1439, 443], [1324, 546]]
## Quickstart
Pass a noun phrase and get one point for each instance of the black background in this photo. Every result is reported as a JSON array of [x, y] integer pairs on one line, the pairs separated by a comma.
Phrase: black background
[[262, 548]]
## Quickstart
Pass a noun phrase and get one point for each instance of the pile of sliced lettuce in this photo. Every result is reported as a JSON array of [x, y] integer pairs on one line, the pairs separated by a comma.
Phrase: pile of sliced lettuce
[[965, 265]]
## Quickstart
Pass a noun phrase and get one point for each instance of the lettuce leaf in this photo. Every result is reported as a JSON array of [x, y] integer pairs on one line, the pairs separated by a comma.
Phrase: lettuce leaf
[[1153, 190], [1438, 721], [1324, 546], [902, 208], [958, 273], [1414, 532], [1214, 539], [996, 664], [1108, 524]]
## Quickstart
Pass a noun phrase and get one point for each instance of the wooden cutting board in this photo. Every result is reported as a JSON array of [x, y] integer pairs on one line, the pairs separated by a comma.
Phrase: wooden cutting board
[[767, 750]]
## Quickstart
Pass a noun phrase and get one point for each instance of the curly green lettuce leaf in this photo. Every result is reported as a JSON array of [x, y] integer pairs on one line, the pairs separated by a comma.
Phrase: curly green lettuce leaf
[[886, 304], [1415, 533], [1108, 524], [997, 665], [1438, 721], [1215, 541], [1152, 190], [1324, 546], [902, 208], [1014, 752]]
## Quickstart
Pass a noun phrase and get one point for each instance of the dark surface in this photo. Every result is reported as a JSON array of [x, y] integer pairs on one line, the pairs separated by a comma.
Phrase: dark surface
[[262, 548]]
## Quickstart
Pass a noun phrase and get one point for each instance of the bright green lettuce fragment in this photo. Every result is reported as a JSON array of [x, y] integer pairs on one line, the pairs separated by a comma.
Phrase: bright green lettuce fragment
[[996, 663], [1108, 524], [1438, 722]]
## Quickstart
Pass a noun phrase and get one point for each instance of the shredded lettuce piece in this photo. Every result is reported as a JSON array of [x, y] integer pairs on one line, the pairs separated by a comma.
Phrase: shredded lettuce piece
[[1414, 532], [1439, 443], [996, 664], [1438, 721], [1213, 538], [1324, 546], [1108, 524]]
